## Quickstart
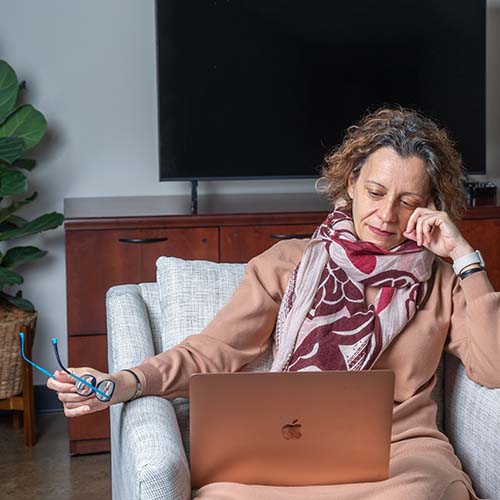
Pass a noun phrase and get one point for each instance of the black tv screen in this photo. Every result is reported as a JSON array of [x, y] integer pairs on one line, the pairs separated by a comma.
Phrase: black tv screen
[[264, 88]]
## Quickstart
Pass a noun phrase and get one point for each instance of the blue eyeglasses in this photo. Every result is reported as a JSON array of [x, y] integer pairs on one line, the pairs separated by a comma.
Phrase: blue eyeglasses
[[85, 385]]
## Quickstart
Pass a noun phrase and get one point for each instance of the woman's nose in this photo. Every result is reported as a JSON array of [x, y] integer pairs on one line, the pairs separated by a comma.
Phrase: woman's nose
[[388, 212]]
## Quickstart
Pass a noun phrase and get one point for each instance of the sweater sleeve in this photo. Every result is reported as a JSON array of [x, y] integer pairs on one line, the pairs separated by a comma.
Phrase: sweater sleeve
[[474, 335], [237, 334]]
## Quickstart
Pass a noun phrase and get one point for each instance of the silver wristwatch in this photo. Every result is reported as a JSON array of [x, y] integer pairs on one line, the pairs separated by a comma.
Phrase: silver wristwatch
[[466, 260]]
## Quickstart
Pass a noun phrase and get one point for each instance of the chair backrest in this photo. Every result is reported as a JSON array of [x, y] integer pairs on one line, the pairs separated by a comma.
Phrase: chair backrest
[[188, 294]]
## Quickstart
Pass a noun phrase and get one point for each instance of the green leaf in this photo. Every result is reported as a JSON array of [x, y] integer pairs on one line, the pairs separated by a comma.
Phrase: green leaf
[[18, 302], [42, 223], [12, 182], [19, 255], [11, 148], [26, 123], [6, 212], [8, 88], [8, 277]]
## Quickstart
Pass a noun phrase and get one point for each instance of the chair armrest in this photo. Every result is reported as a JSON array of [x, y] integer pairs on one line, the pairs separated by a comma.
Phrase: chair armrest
[[472, 423], [152, 464], [147, 455], [129, 331]]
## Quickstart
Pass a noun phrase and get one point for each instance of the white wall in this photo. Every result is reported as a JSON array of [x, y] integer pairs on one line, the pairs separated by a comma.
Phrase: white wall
[[90, 68]]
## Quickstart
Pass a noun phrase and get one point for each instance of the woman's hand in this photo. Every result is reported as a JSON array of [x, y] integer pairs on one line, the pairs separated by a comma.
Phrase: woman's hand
[[76, 405], [434, 230]]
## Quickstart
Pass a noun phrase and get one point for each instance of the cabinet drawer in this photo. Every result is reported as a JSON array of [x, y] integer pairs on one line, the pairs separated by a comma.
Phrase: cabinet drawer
[[97, 260], [89, 350], [240, 244]]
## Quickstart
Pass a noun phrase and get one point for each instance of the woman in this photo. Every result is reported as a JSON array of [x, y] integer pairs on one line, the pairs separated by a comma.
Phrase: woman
[[368, 290]]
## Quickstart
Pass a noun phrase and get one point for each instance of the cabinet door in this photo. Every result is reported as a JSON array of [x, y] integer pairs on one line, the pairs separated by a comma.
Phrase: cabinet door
[[240, 244], [89, 350], [484, 235], [97, 260]]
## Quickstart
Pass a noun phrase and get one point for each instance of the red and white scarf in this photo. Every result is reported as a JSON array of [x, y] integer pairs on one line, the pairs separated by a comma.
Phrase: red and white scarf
[[324, 323]]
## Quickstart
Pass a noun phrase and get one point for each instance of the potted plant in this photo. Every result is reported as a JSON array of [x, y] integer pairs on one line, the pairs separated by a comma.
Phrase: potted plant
[[21, 128]]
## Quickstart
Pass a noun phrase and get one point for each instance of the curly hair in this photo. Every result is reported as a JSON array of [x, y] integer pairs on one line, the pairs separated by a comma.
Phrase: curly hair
[[409, 134]]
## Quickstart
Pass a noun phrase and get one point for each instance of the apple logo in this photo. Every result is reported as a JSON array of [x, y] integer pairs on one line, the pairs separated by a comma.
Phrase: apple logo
[[292, 431]]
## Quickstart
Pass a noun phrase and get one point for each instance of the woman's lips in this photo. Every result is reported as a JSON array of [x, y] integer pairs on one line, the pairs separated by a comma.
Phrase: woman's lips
[[379, 232]]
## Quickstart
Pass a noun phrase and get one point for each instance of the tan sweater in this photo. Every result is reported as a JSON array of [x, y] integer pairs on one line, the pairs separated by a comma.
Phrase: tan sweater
[[462, 317]]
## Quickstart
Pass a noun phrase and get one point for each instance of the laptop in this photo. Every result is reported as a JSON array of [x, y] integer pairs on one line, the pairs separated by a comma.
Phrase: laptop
[[290, 428]]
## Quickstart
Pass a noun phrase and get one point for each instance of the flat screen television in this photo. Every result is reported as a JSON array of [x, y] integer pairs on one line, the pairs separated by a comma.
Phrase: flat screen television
[[264, 88]]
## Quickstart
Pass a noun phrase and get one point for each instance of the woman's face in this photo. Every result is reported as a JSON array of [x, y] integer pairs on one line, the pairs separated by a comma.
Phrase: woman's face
[[385, 194]]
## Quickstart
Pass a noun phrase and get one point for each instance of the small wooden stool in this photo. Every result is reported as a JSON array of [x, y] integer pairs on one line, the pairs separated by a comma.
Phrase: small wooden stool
[[25, 402]]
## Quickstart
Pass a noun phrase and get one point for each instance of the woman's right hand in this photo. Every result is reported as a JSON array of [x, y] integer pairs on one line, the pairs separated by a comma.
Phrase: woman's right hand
[[76, 405]]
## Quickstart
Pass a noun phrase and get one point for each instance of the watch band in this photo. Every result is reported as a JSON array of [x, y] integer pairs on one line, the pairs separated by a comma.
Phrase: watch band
[[138, 385], [467, 260], [469, 272]]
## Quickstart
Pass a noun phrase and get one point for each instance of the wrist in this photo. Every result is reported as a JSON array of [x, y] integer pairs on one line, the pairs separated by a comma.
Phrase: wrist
[[125, 387], [460, 251]]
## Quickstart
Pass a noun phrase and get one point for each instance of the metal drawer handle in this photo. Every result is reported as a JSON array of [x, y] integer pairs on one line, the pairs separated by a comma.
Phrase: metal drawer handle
[[289, 236], [142, 240]]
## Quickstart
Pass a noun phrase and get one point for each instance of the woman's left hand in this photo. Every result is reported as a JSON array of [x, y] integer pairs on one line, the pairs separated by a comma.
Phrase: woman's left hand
[[434, 230]]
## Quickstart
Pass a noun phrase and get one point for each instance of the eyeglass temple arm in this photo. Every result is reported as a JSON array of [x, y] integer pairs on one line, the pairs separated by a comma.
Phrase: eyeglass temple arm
[[38, 367], [83, 381]]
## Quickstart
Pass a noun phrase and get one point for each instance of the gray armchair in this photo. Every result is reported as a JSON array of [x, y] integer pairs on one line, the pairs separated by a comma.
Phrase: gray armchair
[[150, 436]]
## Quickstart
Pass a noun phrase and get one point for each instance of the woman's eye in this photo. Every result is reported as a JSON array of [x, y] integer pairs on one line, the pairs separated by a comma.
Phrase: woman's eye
[[407, 204], [374, 194]]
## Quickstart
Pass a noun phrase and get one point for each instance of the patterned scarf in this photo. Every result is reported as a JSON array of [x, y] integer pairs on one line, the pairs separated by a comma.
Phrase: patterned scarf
[[324, 323]]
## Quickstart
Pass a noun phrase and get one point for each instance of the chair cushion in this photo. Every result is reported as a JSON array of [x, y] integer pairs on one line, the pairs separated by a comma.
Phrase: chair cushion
[[191, 292]]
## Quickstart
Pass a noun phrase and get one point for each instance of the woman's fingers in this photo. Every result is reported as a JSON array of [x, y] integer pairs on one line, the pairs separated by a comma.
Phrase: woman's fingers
[[418, 230], [425, 223], [412, 221], [70, 397], [421, 223], [91, 405], [74, 404], [417, 214], [435, 230], [78, 412], [427, 229], [62, 383]]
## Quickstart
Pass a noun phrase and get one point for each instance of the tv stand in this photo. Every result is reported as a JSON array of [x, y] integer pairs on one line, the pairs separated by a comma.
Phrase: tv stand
[[111, 241], [194, 197]]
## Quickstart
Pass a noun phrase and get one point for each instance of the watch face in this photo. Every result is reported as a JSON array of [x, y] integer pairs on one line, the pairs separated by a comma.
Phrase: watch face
[[472, 258]]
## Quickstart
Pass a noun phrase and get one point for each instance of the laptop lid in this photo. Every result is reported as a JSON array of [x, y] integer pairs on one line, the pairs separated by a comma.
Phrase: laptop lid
[[291, 428]]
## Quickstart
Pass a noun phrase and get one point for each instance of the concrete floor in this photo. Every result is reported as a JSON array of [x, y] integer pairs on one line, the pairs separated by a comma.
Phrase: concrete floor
[[47, 470]]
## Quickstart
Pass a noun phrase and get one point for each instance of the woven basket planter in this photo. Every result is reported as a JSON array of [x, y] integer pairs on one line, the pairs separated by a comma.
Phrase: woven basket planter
[[12, 321]]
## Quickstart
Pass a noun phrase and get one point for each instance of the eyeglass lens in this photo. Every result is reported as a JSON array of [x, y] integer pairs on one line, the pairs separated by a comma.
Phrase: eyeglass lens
[[106, 387]]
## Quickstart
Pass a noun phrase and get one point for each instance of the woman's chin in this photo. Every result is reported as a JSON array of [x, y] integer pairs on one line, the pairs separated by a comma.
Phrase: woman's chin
[[386, 241]]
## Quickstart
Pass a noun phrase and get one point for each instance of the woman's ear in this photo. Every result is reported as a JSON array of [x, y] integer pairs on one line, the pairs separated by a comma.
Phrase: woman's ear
[[350, 186]]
